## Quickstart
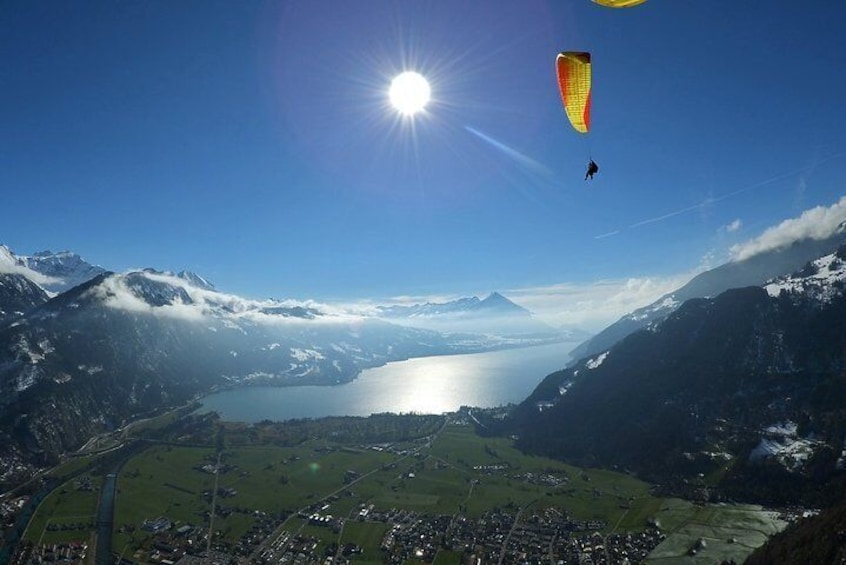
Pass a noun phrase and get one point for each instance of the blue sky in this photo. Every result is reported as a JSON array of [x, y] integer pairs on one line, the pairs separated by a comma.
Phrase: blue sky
[[253, 142]]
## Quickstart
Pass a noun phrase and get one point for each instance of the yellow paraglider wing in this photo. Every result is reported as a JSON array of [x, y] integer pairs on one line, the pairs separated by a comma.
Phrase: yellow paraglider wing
[[619, 3], [574, 83]]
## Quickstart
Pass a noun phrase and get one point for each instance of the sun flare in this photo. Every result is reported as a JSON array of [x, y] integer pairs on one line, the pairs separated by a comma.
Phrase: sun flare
[[409, 93]]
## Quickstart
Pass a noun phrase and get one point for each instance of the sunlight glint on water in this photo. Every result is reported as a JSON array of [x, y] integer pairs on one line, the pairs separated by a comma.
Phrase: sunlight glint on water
[[425, 385]]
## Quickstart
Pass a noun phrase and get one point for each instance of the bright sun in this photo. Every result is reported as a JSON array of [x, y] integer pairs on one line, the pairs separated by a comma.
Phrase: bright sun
[[409, 93]]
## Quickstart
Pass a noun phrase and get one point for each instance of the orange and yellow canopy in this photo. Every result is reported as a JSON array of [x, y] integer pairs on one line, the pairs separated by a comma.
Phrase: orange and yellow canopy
[[619, 3], [573, 68]]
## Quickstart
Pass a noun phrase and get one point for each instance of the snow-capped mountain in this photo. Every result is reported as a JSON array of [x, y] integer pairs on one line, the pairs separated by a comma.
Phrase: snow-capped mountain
[[747, 386], [19, 289], [429, 309], [195, 280], [63, 270], [493, 315], [754, 270]]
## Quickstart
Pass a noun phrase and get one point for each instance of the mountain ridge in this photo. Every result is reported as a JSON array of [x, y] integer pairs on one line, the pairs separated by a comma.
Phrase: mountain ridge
[[64, 269], [495, 314], [753, 271], [748, 386]]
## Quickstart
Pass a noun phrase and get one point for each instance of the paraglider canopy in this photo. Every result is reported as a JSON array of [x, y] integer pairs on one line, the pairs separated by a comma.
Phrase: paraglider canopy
[[574, 82], [619, 3]]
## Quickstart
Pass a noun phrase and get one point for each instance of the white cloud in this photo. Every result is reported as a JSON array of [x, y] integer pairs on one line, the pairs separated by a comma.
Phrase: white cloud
[[817, 223], [204, 304], [114, 293], [733, 226], [593, 306]]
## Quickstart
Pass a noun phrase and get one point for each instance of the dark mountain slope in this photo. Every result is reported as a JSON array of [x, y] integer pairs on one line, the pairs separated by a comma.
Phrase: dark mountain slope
[[18, 295], [819, 539], [724, 387]]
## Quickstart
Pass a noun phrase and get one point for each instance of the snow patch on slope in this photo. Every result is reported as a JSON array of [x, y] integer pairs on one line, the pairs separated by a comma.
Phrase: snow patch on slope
[[781, 442], [596, 361], [665, 306], [303, 355], [823, 279]]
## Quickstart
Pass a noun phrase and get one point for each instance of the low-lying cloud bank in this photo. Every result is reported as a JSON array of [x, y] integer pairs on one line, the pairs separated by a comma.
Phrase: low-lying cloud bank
[[116, 292]]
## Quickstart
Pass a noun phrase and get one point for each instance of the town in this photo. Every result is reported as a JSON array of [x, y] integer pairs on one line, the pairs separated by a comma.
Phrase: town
[[317, 492]]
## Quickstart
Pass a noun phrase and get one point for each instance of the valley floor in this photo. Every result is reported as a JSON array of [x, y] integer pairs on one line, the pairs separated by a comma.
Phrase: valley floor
[[394, 489]]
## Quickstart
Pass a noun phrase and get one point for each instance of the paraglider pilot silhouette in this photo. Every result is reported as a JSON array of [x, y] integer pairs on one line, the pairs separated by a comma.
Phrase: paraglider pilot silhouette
[[592, 169]]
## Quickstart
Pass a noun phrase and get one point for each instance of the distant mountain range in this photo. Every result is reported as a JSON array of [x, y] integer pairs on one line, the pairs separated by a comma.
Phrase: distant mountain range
[[742, 395], [109, 347], [493, 315]]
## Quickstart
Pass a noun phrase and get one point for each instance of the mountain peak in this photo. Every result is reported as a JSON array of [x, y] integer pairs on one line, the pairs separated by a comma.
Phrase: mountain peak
[[195, 280], [7, 257], [65, 269], [496, 301]]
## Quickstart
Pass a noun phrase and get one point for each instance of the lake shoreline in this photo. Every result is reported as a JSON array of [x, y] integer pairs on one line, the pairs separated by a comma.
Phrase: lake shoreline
[[433, 384]]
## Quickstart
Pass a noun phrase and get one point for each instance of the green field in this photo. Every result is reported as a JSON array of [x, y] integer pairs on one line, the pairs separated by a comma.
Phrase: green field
[[458, 472], [67, 514], [368, 536]]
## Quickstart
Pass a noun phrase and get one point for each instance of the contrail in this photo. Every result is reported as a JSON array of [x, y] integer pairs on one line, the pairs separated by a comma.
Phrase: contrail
[[513, 153], [604, 235], [710, 201], [676, 213]]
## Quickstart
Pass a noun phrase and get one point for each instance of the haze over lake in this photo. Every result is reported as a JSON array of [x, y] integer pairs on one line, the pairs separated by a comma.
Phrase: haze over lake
[[431, 385]]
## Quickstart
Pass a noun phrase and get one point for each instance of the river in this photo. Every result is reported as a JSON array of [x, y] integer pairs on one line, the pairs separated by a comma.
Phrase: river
[[426, 385]]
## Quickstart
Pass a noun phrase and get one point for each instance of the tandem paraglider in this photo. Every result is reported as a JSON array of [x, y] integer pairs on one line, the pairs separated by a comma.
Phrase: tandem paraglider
[[573, 69]]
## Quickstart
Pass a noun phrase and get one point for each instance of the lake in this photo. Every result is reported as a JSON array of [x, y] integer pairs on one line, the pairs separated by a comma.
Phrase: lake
[[425, 385]]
